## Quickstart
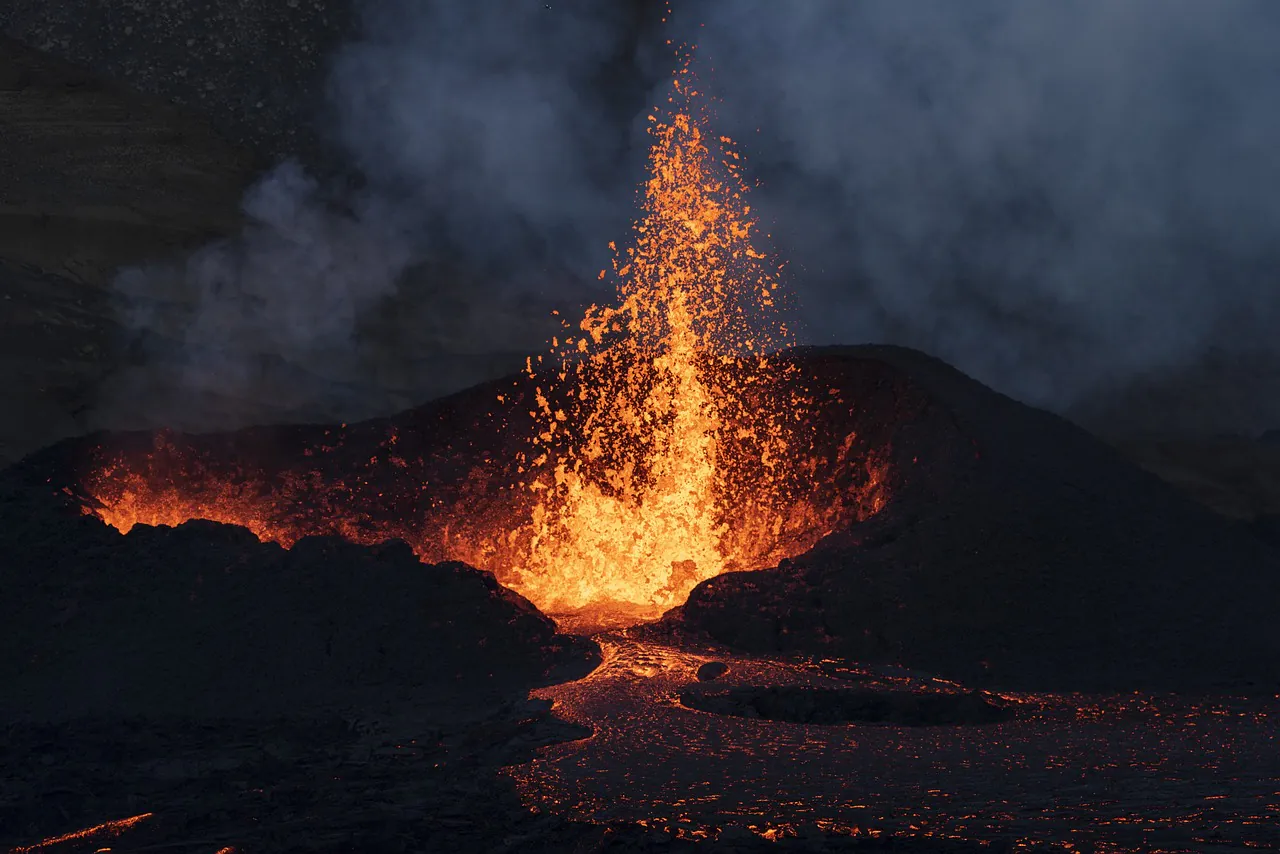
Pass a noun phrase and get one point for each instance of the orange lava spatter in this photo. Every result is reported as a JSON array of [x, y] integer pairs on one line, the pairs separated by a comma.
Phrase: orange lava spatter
[[639, 503], [670, 441]]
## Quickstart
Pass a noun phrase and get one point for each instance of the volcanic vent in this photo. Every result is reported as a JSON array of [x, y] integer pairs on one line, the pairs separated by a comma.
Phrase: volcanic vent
[[662, 441]]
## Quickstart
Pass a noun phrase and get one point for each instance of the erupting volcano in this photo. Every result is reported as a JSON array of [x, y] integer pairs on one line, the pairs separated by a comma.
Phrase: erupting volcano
[[662, 441], [674, 453], [673, 461], [680, 584]]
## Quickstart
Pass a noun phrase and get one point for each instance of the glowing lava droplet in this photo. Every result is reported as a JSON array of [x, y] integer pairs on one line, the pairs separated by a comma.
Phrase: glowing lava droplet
[[632, 496]]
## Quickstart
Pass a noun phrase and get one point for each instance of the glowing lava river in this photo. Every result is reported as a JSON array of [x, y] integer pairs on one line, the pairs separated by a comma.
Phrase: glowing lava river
[[1050, 772]]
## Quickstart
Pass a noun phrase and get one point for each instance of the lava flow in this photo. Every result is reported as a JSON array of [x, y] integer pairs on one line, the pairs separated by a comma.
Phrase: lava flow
[[1060, 772], [664, 440]]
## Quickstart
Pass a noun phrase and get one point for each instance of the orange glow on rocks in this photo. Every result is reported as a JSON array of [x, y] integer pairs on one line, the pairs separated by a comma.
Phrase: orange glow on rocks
[[665, 440]]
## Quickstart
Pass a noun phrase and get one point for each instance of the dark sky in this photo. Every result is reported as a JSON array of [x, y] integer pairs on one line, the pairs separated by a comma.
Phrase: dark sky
[[1053, 195], [1058, 197]]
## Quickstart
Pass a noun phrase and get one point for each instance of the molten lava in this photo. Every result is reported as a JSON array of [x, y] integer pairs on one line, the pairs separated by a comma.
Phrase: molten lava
[[106, 829], [638, 508], [669, 439]]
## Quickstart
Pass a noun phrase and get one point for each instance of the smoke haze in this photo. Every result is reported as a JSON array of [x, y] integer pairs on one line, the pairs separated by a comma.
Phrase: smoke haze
[[488, 156], [496, 121], [1059, 198], [1056, 197]]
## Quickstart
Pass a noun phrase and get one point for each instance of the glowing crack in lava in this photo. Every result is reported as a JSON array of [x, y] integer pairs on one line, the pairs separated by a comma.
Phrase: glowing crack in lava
[[663, 441]]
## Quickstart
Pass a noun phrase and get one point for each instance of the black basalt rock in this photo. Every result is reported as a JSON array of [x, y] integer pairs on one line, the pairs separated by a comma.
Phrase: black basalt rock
[[712, 670]]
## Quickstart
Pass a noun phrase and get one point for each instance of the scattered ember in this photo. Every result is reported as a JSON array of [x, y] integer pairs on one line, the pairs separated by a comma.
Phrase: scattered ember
[[666, 440], [106, 829]]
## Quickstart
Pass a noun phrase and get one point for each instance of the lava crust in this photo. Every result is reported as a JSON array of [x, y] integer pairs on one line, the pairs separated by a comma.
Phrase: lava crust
[[204, 621]]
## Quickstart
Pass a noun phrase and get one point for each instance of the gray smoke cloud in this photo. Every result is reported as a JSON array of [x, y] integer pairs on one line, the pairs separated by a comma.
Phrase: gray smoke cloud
[[492, 119], [1058, 197], [293, 281], [1061, 198], [486, 139]]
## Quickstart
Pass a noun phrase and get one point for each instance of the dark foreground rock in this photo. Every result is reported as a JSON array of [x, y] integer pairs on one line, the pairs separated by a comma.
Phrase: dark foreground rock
[[1016, 551], [205, 621], [1267, 528], [712, 670], [330, 787]]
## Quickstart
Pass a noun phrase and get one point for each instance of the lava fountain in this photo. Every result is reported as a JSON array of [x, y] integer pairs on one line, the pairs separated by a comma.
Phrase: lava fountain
[[637, 508], [664, 439]]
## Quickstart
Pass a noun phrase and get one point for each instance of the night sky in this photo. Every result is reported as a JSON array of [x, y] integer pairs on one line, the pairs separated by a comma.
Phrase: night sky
[[1061, 199]]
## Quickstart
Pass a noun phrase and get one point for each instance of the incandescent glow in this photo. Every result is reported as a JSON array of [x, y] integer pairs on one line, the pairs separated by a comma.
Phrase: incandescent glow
[[640, 504], [106, 829], [665, 440]]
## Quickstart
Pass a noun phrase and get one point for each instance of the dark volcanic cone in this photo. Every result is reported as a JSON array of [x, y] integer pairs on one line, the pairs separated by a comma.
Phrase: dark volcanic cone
[[205, 621], [1014, 551], [1017, 552]]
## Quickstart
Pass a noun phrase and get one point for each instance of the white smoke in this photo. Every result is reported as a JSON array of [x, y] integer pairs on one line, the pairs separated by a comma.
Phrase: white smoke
[[1057, 197], [1062, 199], [479, 136]]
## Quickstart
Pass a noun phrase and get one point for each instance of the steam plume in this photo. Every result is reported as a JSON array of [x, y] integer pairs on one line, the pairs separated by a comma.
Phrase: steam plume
[[1057, 197], [487, 135], [1063, 199]]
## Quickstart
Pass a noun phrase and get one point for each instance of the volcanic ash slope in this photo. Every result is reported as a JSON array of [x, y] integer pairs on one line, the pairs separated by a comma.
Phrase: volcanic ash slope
[[1015, 551]]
